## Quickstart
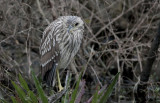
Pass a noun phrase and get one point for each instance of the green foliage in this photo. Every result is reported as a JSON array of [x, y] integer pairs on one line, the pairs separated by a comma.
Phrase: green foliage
[[25, 95], [13, 99], [75, 92], [40, 90], [98, 97], [20, 92], [65, 98], [23, 83], [95, 96], [3, 101], [33, 97], [109, 90]]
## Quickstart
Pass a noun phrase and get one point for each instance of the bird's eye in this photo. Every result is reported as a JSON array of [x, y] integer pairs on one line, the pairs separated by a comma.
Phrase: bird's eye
[[76, 24]]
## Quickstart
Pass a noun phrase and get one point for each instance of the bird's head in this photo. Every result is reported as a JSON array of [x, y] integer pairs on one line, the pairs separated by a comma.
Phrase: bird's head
[[73, 24]]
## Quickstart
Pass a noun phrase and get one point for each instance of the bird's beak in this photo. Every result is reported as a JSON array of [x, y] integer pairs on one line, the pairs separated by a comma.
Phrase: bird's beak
[[69, 28]]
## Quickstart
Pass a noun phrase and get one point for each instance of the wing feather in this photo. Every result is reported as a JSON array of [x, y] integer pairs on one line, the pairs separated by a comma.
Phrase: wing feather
[[49, 49]]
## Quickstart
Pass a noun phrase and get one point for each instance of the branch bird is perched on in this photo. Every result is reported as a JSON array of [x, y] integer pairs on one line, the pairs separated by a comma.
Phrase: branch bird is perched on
[[60, 43]]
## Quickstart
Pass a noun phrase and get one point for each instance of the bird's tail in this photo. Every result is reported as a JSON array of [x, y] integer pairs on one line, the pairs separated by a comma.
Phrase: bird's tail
[[50, 75]]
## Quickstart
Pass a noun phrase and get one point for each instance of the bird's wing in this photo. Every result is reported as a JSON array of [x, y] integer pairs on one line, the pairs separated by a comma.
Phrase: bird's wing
[[49, 51]]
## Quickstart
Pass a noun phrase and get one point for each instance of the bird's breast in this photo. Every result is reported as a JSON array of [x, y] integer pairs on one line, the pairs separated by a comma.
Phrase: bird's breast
[[68, 52]]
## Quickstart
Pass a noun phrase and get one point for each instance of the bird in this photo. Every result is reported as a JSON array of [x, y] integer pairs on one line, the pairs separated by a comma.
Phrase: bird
[[60, 42]]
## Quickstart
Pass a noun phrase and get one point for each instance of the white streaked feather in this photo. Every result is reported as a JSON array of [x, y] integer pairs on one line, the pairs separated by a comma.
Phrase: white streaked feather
[[68, 39]]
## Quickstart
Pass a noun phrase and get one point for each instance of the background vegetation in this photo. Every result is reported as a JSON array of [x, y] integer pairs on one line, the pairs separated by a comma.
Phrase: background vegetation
[[118, 35]]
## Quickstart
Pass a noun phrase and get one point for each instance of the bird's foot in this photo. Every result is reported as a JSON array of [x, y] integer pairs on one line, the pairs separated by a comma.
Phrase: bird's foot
[[60, 88]]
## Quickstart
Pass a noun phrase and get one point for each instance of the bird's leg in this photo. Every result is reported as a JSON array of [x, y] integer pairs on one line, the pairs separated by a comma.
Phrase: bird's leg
[[59, 82]]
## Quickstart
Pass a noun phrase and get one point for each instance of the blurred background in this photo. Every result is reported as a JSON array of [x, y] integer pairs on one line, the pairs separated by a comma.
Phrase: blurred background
[[117, 38]]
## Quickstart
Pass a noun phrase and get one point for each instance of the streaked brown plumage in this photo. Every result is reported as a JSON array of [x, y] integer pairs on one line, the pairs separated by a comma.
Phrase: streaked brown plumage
[[60, 42]]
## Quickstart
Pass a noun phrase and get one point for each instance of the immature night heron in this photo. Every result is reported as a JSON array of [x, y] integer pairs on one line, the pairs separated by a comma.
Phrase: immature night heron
[[60, 43]]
